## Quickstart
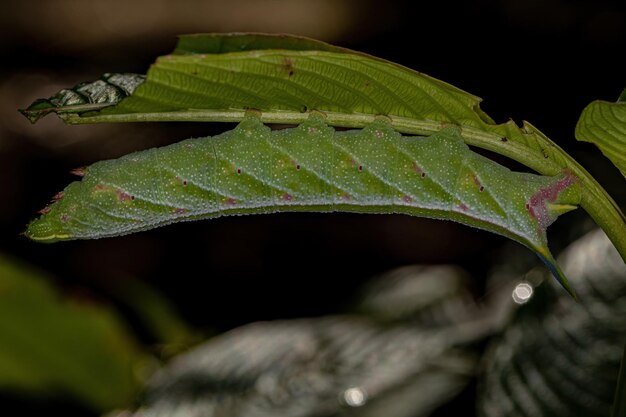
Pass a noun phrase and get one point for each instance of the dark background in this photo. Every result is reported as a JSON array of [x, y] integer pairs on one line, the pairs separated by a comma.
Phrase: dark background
[[541, 61]]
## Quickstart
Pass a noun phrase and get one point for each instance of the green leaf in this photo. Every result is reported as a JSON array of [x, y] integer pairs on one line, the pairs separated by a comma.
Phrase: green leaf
[[218, 77], [252, 169], [604, 124], [213, 72], [50, 345]]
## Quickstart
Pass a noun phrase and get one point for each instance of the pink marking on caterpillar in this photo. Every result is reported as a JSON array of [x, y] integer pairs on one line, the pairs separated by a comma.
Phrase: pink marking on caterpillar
[[537, 206], [123, 196]]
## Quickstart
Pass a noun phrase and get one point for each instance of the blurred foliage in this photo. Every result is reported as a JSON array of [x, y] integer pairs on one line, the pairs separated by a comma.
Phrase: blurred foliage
[[410, 346], [170, 333], [51, 345], [350, 365], [413, 346], [619, 404], [429, 295], [559, 358]]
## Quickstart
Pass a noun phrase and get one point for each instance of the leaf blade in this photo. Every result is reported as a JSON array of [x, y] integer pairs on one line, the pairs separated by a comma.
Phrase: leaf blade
[[604, 124]]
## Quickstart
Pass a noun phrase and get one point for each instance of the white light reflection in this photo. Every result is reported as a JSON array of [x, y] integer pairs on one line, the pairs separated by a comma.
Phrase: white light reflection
[[355, 397], [522, 293]]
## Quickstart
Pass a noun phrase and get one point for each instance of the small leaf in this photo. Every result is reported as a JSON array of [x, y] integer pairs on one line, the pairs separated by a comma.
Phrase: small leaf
[[50, 345], [604, 124], [252, 169]]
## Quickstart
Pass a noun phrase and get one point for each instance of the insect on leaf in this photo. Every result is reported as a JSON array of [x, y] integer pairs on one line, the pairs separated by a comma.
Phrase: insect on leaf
[[216, 77], [312, 167]]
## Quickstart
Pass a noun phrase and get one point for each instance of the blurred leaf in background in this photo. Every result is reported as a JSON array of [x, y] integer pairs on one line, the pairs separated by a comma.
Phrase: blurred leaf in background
[[358, 364], [52, 346], [619, 404], [559, 358], [169, 333]]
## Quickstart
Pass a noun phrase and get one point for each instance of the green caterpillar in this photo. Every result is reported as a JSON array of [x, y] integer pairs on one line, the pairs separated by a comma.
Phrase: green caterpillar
[[312, 167]]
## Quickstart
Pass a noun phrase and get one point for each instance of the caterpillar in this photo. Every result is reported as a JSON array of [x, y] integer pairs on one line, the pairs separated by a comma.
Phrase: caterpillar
[[311, 167]]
